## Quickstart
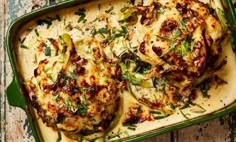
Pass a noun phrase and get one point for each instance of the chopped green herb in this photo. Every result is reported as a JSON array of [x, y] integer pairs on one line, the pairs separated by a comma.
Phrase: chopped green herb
[[73, 75], [21, 41], [121, 33], [55, 98], [69, 27], [172, 106], [164, 38], [44, 21], [204, 88], [159, 83], [84, 99], [47, 50], [59, 136], [29, 29], [132, 2], [161, 10], [184, 115], [114, 135], [82, 109], [129, 125], [172, 47], [48, 20], [99, 6], [155, 112], [126, 133], [46, 69], [192, 45], [176, 34], [124, 9], [96, 19], [101, 31], [109, 10], [160, 117], [81, 138], [202, 110], [68, 102], [182, 24], [142, 67], [131, 128], [184, 47], [82, 19], [36, 32], [139, 110], [23, 46], [35, 58], [129, 77], [76, 90], [93, 140], [221, 16], [58, 17], [124, 30], [186, 105], [81, 13]]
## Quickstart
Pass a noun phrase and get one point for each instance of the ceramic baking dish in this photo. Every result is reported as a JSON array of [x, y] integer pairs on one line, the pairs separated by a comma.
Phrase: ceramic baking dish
[[15, 91]]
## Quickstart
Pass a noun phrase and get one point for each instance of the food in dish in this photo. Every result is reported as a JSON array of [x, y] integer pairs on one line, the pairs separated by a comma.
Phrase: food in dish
[[82, 66]]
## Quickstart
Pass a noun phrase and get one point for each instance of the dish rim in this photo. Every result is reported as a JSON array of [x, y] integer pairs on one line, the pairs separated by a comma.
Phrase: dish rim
[[17, 98]]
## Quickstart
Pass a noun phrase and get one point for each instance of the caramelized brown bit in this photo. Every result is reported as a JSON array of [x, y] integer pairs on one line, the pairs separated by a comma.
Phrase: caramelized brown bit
[[147, 13], [36, 72], [79, 70], [134, 120], [142, 47], [182, 9], [157, 50], [45, 61], [55, 44], [118, 72], [168, 26], [193, 13], [93, 80], [34, 101], [97, 53]]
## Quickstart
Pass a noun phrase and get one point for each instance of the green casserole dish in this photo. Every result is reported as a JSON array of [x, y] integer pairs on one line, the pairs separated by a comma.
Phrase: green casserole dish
[[15, 92]]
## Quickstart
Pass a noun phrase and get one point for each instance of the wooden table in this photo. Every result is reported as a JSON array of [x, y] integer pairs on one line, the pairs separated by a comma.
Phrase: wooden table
[[14, 124]]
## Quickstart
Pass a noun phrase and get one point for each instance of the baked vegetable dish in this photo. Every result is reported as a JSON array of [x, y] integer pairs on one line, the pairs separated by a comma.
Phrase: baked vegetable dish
[[107, 70]]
